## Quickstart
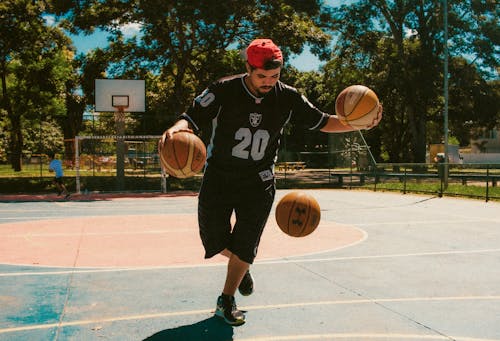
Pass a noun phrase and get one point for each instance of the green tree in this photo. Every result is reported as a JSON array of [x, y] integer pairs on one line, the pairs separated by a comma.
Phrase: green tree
[[473, 101], [312, 86], [33, 69], [41, 137], [398, 46], [184, 45], [3, 136], [75, 105]]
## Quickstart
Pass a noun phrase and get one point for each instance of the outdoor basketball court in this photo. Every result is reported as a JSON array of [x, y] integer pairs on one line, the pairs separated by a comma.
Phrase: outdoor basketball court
[[381, 266]]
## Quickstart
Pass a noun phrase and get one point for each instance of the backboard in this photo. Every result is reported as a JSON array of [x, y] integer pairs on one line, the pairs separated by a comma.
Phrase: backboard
[[112, 94]]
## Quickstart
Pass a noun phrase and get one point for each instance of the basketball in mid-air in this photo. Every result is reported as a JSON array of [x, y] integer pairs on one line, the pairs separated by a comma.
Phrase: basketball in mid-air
[[298, 214], [183, 155], [358, 106]]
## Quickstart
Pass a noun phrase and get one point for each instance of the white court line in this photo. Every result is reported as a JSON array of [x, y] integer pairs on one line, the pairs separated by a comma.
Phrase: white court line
[[249, 308], [83, 215], [118, 233], [392, 222], [364, 336], [397, 255], [261, 262], [406, 223]]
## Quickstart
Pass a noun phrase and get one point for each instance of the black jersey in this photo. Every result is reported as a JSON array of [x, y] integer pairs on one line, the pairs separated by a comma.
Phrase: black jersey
[[246, 130]]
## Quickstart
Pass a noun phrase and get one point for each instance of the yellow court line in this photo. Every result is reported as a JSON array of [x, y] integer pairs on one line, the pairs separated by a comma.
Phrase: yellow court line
[[104, 320], [249, 308]]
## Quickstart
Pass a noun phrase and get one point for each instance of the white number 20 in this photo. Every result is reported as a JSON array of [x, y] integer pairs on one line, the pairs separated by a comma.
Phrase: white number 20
[[257, 143]]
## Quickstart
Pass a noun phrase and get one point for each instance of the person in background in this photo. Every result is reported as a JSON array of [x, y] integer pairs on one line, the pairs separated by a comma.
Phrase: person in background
[[55, 166]]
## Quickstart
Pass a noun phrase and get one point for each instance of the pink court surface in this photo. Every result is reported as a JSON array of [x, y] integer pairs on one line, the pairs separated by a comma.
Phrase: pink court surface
[[380, 266], [148, 241]]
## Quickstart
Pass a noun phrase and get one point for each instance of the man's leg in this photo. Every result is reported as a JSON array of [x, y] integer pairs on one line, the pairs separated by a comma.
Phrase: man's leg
[[226, 304], [57, 185], [65, 191], [236, 269], [246, 283]]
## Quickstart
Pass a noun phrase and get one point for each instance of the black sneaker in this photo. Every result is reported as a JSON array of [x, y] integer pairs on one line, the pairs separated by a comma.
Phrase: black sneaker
[[246, 285], [226, 309]]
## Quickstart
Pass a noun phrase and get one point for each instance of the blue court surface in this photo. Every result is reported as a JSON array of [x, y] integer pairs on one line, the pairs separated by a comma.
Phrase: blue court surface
[[380, 266]]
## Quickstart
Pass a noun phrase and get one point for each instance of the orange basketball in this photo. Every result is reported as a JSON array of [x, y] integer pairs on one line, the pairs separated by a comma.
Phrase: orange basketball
[[357, 105], [298, 214], [183, 155]]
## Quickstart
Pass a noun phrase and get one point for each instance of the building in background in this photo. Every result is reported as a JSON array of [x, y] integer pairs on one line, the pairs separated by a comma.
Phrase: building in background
[[485, 148]]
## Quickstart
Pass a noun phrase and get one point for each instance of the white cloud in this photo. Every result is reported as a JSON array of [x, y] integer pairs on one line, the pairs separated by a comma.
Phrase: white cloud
[[131, 29], [410, 32], [50, 20]]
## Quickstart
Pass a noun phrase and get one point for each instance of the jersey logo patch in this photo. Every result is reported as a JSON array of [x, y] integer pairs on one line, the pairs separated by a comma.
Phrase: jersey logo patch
[[266, 175], [255, 119]]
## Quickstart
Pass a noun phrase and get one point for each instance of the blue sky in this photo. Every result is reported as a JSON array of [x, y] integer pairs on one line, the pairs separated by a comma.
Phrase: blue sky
[[304, 62]]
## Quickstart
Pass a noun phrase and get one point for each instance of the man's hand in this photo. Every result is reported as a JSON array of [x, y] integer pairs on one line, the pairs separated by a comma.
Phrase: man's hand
[[181, 125]]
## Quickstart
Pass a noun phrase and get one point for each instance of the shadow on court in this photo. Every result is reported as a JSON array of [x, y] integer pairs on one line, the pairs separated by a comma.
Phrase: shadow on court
[[210, 329], [381, 266]]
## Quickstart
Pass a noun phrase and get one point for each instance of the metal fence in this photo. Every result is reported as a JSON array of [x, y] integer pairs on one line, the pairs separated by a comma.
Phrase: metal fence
[[467, 180], [323, 167]]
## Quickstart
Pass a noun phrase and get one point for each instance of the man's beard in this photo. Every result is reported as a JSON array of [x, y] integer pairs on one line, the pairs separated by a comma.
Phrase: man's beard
[[266, 88]]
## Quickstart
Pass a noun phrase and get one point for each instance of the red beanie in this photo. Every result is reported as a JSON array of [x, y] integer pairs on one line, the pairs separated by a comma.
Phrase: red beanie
[[261, 51]]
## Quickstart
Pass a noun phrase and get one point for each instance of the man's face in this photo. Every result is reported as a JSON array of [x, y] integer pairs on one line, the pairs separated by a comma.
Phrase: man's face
[[261, 81]]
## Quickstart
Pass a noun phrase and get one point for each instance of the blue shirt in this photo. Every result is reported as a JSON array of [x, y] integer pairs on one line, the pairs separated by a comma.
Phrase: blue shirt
[[56, 166]]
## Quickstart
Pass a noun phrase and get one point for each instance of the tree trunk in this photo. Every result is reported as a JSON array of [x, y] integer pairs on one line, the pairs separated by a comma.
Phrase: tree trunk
[[71, 125], [16, 136], [16, 142], [418, 135]]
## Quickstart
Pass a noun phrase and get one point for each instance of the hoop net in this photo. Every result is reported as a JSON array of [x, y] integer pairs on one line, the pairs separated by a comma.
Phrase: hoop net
[[98, 153]]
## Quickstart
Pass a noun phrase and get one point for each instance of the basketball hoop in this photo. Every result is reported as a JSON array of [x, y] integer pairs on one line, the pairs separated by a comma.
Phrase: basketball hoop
[[118, 95], [119, 101]]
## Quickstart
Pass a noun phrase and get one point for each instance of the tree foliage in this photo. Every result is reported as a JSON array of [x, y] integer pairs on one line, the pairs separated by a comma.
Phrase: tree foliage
[[394, 47], [183, 45], [35, 63], [397, 48]]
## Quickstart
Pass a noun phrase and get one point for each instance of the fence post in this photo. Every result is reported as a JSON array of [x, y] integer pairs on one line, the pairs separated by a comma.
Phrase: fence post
[[163, 177], [487, 182], [404, 181], [440, 194], [77, 165]]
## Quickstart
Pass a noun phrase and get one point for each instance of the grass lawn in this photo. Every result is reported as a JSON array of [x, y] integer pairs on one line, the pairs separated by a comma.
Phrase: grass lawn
[[35, 179]]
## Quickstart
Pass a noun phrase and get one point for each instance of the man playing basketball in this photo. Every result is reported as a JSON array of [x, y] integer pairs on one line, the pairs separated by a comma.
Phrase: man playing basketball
[[247, 114]]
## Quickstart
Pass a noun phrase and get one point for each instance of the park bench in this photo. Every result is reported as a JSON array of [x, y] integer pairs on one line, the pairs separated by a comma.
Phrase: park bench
[[137, 162], [493, 179], [340, 177], [290, 166], [363, 175]]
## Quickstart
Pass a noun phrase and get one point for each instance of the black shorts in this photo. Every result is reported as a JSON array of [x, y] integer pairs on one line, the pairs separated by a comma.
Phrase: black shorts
[[249, 198], [58, 180]]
